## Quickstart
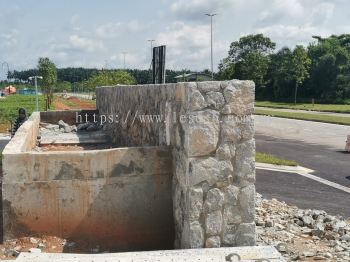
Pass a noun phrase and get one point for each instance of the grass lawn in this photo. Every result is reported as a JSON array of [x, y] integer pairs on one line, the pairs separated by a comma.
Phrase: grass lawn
[[316, 107], [305, 116], [274, 160], [10, 105]]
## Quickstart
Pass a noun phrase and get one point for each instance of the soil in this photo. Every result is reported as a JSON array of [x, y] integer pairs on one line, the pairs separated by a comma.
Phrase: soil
[[80, 147], [61, 103]]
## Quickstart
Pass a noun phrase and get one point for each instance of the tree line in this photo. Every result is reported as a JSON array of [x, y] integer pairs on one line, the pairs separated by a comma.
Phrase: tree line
[[319, 71]]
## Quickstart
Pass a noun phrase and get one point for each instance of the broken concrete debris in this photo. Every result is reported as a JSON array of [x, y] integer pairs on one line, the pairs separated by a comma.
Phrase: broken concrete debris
[[63, 127], [302, 234]]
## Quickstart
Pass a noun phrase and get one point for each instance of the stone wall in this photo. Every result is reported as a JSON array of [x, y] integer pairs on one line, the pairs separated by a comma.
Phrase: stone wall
[[210, 127]]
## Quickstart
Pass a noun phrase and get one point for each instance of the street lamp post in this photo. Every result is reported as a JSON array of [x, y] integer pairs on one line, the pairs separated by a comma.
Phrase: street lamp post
[[211, 43], [8, 68], [36, 90], [124, 54], [151, 41]]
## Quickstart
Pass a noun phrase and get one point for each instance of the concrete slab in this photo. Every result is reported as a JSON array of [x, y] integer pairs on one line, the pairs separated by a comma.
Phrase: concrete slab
[[268, 253], [74, 138]]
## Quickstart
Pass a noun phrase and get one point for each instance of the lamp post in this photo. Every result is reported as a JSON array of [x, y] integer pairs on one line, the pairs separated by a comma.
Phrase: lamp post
[[36, 90], [124, 54], [151, 41], [8, 68], [211, 43]]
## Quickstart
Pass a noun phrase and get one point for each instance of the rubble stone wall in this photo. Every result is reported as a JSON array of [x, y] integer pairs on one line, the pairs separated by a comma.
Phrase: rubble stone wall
[[210, 128]]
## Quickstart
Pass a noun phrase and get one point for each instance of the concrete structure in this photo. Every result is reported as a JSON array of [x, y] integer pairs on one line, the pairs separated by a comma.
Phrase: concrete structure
[[209, 126], [115, 198], [246, 254], [189, 161]]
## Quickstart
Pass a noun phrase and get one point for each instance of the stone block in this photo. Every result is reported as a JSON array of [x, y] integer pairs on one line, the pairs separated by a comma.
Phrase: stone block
[[213, 223], [209, 170], [247, 203], [203, 132], [245, 234], [213, 242], [195, 203], [196, 235], [214, 200], [240, 96]]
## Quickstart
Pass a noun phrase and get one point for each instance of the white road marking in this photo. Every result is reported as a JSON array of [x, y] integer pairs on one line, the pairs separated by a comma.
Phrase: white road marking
[[302, 171]]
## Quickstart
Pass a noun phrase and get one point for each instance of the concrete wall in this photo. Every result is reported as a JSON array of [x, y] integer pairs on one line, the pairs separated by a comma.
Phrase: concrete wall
[[70, 117], [119, 199], [210, 128]]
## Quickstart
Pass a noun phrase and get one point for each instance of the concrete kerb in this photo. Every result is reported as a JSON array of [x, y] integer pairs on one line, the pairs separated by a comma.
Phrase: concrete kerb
[[302, 171]]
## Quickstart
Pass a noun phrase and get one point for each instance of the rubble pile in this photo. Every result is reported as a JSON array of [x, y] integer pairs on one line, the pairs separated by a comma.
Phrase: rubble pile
[[302, 235], [62, 127]]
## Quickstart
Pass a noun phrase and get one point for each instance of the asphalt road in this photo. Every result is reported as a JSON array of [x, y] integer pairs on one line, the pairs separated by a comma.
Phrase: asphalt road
[[302, 192], [313, 145]]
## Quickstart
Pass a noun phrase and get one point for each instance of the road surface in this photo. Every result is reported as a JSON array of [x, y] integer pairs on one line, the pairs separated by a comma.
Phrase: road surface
[[317, 146]]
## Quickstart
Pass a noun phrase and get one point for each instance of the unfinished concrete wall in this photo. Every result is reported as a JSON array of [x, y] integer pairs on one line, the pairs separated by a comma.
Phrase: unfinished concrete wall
[[118, 198], [210, 128]]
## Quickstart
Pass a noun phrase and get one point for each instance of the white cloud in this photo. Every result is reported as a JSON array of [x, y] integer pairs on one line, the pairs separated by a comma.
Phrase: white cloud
[[187, 45], [194, 9], [85, 44], [9, 39], [111, 30]]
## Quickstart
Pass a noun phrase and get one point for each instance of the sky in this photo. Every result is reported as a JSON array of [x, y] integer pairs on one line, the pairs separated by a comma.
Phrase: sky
[[95, 33]]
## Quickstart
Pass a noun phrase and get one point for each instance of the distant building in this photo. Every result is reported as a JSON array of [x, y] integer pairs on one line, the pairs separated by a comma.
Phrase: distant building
[[192, 77], [26, 91], [9, 90]]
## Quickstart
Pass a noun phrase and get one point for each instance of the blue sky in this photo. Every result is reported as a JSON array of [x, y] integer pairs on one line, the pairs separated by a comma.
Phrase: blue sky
[[95, 33]]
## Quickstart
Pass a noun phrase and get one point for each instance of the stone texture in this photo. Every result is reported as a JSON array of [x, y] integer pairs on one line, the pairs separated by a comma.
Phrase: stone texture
[[196, 235], [214, 200], [231, 195], [203, 132], [245, 162], [196, 203], [215, 100], [229, 235], [245, 234], [213, 242], [240, 97], [247, 203], [197, 101], [213, 223], [209, 170], [226, 151], [232, 215]]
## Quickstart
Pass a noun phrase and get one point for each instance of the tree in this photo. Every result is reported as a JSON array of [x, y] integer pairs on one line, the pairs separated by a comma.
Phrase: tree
[[109, 77], [279, 74], [248, 58], [48, 71], [300, 66]]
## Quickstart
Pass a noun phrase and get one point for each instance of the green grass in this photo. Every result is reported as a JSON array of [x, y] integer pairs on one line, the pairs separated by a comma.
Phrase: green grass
[[9, 106], [316, 107], [274, 160], [306, 116]]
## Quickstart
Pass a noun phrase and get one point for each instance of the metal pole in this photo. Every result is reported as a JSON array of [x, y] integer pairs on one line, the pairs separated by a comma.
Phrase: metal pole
[[211, 44], [211, 47], [124, 53], [36, 94]]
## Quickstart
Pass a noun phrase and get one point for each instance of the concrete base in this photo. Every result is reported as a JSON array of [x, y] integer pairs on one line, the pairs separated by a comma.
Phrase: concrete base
[[208, 254], [4, 139]]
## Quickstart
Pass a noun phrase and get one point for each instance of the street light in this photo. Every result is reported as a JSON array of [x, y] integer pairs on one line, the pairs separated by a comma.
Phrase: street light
[[36, 90], [124, 54], [8, 68], [211, 43], [151, 41]]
